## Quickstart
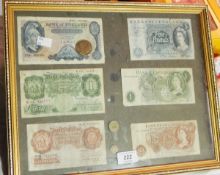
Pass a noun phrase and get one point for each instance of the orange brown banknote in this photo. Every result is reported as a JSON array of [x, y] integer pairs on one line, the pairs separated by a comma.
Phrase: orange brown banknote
[[52, 146], [165, 139]]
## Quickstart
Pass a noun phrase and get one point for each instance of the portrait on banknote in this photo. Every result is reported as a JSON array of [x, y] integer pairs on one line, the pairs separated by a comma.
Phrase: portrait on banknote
[[165, 139], [49, 145], [61, 38], [157, 86], [102, 88], [151, 39]]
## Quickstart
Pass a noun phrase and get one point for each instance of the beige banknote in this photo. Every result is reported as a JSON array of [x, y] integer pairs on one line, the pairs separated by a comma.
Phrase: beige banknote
[[165, 139], [65, 145], [61, 92], [157, 86], [53, 40]]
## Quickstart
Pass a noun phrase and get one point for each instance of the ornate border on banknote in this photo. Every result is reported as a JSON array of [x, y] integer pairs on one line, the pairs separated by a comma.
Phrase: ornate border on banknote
[[56, 100]]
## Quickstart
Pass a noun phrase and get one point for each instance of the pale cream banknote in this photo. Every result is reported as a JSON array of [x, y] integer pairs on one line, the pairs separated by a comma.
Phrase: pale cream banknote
[[165, 139], [157, 86], [65, 145], [160, 39], [52, 40], [61, 92]]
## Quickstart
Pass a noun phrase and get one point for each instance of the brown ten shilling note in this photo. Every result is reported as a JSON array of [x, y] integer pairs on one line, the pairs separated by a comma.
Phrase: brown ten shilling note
[[165, 139], [65, 145]]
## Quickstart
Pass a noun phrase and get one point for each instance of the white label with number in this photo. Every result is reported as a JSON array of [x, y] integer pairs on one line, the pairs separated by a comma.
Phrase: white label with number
[[127, 157], [42, 41]]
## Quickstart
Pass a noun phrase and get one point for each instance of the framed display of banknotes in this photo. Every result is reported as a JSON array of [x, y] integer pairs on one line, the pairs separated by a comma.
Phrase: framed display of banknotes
[[109, 88]]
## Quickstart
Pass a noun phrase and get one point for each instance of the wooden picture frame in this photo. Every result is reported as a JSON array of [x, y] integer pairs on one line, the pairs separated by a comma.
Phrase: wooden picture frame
[[109, 88]]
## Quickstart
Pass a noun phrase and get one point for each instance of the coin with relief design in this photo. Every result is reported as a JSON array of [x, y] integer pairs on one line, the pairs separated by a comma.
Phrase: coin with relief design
[[83, 47], [113, 126]]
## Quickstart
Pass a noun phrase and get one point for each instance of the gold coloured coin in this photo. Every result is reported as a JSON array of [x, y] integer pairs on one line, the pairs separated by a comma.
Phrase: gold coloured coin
[[113, 126], [83, 47], [114, 149]]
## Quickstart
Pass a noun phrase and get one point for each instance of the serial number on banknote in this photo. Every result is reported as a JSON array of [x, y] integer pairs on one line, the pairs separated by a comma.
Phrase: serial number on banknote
[[157, 86], [160, 39], [70, 40], [61, 92]]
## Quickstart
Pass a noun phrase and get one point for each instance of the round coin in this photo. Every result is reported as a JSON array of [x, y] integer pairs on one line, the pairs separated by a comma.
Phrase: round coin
[[113, 126], [83, 47], [114, 149], [141, 150]]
